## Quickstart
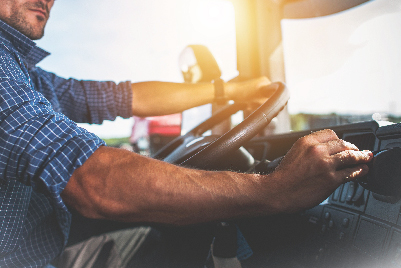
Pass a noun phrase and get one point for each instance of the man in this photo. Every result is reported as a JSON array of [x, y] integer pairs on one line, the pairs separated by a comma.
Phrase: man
[[48, 163]]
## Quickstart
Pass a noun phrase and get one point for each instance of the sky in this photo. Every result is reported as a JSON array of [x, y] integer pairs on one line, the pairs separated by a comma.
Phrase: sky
[[134, 40]]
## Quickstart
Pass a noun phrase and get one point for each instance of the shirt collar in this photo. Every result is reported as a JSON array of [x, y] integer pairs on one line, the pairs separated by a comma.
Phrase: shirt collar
[[27, 48]]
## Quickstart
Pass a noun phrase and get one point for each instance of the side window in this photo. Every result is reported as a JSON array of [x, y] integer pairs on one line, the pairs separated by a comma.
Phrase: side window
[[344, 67]]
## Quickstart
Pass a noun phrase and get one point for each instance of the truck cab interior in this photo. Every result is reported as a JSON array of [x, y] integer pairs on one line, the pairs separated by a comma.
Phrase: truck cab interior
[[334, 64]]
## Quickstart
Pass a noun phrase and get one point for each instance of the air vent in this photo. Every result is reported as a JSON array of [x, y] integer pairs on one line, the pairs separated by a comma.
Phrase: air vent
[[365, 141]]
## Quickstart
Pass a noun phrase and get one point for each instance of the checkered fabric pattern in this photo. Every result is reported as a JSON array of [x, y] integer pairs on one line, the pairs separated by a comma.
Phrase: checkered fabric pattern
[[41, 146]]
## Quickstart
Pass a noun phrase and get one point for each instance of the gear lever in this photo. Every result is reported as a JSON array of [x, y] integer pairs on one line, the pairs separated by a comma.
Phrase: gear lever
[[384, 177]]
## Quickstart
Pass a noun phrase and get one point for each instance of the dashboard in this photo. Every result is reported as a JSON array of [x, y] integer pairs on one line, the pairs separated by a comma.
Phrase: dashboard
[[354, 227]]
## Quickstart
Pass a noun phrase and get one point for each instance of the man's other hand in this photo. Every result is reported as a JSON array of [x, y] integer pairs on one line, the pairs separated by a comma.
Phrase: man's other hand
[[252, 91], [314, 167]]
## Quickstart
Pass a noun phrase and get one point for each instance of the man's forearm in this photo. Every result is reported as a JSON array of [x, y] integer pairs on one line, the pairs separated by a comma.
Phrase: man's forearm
[[119, 185], [160, 98]]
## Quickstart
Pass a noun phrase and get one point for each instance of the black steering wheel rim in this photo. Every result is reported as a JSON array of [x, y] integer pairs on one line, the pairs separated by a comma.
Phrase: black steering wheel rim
[[210, 156]]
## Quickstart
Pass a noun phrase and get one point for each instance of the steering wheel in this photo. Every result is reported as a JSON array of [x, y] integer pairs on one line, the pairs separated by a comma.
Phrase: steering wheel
[[207, 152]]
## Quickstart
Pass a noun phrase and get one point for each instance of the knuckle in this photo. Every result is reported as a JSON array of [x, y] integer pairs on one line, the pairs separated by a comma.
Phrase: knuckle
[[317, 150], [330, 132], [304, 139], [343, 143], [353, 156], [349, 145], [347, 155], [303, 142]]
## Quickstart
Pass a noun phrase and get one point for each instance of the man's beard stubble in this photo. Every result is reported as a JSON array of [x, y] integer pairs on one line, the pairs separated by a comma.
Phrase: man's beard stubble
[[18, 21]]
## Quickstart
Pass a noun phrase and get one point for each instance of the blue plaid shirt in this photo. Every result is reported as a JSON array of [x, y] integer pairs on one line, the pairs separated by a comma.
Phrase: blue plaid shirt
[[41, 146]]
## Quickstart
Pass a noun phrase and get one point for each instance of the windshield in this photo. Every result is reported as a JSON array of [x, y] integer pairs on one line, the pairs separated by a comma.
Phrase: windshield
[[136, 41], [345, 67]]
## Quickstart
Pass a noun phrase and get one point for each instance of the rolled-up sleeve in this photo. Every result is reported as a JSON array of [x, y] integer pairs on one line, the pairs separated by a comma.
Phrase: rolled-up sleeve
[[85, 101], [40, 147]]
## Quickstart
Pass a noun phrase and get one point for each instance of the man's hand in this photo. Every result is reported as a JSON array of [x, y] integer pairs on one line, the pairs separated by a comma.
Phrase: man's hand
[[314, 167], [252, 91]]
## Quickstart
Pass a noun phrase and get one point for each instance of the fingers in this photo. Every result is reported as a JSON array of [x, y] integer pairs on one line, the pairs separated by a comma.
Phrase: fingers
[[248, 90], [268, 90], [345, 159], [329, 139], [263, 81], [349, 174], [337, 146], [351, 157]]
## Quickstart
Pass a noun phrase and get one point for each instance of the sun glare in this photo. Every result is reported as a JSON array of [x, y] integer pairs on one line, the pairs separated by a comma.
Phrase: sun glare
[[213, 17]]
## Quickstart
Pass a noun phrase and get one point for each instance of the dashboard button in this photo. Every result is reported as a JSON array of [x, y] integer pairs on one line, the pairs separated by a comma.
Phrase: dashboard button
[[345, 222]]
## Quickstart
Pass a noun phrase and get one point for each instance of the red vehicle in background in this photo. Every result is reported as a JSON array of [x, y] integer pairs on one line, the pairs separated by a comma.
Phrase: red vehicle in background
[[150, 134]]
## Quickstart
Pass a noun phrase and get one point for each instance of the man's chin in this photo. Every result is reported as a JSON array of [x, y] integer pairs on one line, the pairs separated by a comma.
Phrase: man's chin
[[35, 27], [34, 33]]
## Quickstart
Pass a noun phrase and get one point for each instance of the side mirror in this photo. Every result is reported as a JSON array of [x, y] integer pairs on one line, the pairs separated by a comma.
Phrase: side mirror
[[198, 64]]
